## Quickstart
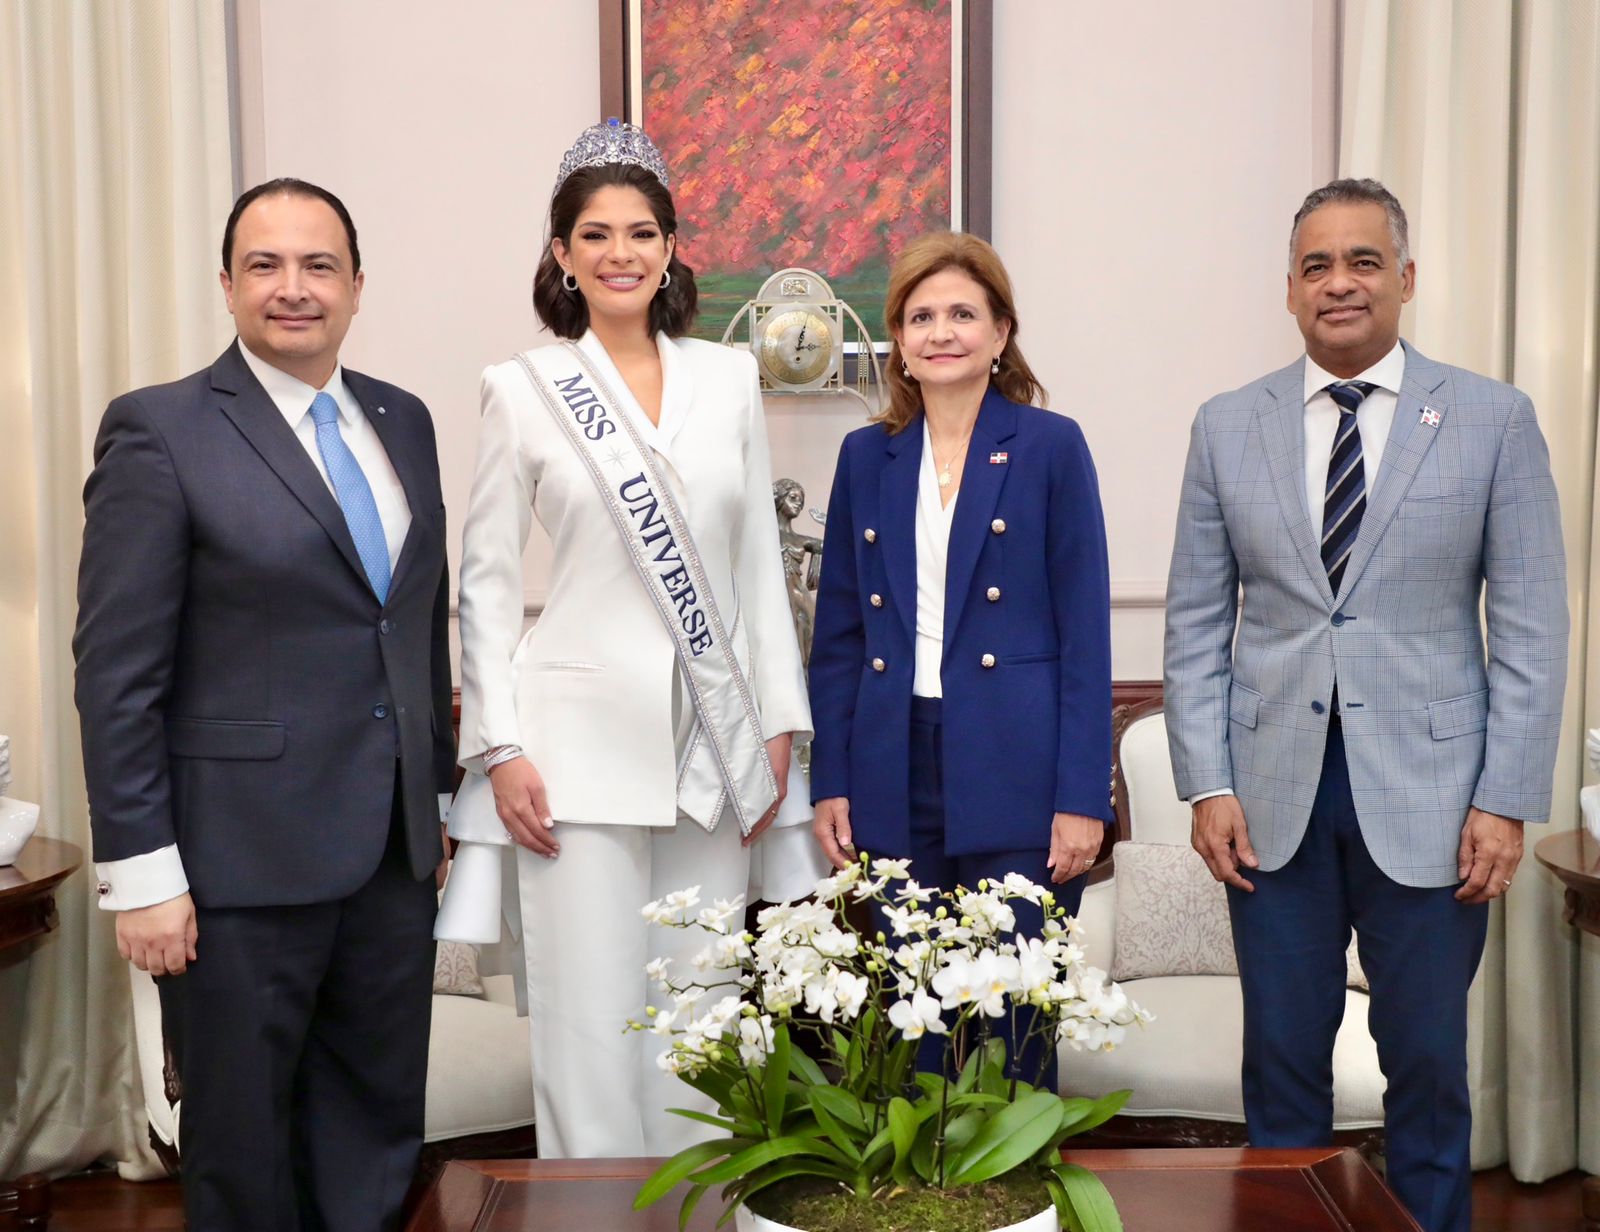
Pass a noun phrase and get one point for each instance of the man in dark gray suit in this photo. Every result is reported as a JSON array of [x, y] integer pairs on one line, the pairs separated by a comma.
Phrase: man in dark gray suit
[[264, 688]]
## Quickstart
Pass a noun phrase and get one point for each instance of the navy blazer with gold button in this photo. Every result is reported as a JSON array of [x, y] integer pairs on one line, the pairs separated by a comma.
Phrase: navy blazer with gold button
[[1026, 669]]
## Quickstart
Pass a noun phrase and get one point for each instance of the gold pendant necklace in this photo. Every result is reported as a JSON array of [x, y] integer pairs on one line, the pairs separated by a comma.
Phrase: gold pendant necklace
[[945, 478]]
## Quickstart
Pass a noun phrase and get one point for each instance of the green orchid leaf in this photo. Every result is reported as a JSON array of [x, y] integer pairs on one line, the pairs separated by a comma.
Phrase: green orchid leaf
[[804, 1068], [1007, 1139], [843, 1105], [664, 1178], [1063, 1204], [690, 1201], [746, 1129], [1085, 1114], [762, 1153], [903, 1125], [775, 1080], [831, 1126], [1089, 1201]]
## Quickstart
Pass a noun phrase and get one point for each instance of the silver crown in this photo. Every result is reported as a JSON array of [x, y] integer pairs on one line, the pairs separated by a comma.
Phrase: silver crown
[[612, 142]]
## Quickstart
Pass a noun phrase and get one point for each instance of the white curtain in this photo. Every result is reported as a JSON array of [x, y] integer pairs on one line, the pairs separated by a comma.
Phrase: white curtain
[[115, 179], [1483, 116]]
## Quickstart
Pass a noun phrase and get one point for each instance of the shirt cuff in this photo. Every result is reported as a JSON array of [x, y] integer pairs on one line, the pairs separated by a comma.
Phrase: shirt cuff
[[142, 880], [444, 806], [1206, 795]]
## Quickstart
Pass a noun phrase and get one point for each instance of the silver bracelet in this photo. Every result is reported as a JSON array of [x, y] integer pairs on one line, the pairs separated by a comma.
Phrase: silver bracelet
[[499, 756]]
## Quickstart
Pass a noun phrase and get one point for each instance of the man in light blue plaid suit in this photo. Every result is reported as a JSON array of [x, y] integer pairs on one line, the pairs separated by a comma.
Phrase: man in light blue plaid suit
[[1360, 752]]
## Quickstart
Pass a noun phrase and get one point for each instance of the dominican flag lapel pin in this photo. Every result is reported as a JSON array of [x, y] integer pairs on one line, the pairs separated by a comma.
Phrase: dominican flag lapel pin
[[1431, 417], [999, 458]]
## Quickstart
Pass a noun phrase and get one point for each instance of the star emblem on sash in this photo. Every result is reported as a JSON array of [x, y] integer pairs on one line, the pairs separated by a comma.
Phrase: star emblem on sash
[[616, 457]]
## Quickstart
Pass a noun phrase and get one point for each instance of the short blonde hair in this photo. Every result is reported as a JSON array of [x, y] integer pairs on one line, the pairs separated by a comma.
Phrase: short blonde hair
[[921, 259]]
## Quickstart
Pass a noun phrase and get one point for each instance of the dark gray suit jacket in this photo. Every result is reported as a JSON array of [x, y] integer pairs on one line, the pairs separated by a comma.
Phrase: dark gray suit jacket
[[241, 690]]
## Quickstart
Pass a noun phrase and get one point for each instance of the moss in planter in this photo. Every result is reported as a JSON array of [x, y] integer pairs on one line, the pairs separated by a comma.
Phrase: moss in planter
[[819, 1205]]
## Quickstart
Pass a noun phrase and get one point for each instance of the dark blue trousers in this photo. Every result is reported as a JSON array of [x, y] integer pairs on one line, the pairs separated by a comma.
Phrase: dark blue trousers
[[932, 866], [1419, 948]]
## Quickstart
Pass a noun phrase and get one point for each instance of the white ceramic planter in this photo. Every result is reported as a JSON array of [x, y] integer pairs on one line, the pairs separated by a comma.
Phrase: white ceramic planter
[[746, 1220], [18, 820]]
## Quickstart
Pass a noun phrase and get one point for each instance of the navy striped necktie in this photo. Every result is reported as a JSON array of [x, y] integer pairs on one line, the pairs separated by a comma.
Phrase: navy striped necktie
[[1346, 493]]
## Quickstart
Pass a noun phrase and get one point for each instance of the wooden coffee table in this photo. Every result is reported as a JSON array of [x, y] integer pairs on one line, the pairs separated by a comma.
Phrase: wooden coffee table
[[1196, 1190]]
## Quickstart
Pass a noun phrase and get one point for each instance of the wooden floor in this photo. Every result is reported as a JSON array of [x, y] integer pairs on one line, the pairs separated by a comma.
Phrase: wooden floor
[[101, 1203]]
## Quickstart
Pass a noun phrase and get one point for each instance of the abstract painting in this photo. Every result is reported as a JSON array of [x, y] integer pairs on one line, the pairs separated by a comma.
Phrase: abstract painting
[[822, 135]]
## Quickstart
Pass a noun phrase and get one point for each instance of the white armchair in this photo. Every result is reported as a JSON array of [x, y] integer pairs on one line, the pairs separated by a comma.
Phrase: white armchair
[[480, 1077], [1183, 1069]]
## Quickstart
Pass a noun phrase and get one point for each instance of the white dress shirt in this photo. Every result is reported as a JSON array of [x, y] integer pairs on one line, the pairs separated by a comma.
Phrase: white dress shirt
[[1374, 418], [933, 549], [156, 876]]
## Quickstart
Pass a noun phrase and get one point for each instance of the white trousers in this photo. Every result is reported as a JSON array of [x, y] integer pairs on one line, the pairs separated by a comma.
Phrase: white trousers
[[597, 1089]]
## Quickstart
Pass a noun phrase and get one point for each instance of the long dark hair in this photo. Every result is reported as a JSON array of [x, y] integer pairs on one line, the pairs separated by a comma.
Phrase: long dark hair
[[565, 313]]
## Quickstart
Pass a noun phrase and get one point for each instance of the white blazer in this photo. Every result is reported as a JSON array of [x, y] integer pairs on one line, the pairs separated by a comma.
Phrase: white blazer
[[587, 692]]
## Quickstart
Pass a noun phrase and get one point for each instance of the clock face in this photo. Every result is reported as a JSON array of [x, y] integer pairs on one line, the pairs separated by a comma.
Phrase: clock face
[[796, 345]]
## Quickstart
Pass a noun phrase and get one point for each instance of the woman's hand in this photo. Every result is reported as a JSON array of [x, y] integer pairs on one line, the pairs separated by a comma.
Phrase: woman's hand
[[1074, 843], [519, 799], [831, 825], [778, 750]]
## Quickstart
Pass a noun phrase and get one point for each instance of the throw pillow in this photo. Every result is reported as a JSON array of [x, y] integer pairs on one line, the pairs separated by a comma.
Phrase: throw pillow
[[455, 970]]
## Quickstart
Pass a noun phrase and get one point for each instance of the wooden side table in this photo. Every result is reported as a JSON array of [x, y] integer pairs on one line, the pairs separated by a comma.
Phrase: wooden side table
[[1574, 857], [28, 889], [28, 910]]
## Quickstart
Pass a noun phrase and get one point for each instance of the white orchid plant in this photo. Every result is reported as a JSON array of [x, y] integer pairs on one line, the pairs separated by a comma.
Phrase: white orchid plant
[[859, 1114]]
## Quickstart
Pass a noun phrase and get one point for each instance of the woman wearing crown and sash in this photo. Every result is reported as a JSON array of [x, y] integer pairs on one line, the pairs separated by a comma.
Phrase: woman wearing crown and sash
[[637, 740], [961, 663]]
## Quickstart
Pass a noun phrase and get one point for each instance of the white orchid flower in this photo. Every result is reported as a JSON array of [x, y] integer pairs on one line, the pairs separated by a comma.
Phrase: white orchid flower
[[918, 1016], [755, 1040], [659, 912], [830, 888], [911, 892], [892, 870], [656, 970], [1017, 885], [683, 900]]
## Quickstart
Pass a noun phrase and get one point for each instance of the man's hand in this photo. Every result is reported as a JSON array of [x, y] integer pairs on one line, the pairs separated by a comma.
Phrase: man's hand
[[831, 825], [1074, 843], [159, 939], [1491, 849], [778, 750], [1223, 840], [519, 799]]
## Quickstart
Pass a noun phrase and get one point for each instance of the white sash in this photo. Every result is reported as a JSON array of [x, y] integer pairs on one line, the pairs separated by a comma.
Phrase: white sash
[[727, 755]]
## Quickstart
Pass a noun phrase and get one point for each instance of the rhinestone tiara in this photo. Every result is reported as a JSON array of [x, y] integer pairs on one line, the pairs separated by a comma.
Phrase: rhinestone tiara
[[612, 142]]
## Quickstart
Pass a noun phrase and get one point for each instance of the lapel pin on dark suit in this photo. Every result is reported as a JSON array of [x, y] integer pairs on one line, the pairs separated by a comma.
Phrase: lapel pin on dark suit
[[999, 458], [1431, 417], [383, 410]]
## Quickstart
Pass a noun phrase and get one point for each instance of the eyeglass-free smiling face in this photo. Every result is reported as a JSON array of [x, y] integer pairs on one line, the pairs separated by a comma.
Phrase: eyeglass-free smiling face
[[948, 335], [291, 290], [1347, 286], [617, 253]]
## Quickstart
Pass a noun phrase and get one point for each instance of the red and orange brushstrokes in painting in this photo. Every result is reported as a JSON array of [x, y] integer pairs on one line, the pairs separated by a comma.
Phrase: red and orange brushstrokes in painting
[[815, 135]]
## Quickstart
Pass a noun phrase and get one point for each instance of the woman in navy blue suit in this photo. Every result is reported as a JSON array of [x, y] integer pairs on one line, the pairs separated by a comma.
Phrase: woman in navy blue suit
[[961, 668]]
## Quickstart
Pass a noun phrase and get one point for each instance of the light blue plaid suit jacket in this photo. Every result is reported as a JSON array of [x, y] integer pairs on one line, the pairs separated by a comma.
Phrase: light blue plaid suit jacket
[[1435, 716]]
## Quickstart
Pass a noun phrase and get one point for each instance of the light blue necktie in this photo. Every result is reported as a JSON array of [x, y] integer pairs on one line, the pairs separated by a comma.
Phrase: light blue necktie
[[354, 493]]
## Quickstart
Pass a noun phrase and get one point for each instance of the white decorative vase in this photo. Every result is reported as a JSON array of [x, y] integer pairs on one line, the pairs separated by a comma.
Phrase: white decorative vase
[[18, 820], [746, 1220]]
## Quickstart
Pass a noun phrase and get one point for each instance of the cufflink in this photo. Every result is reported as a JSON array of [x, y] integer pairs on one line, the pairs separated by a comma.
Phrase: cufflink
[[103, 888]]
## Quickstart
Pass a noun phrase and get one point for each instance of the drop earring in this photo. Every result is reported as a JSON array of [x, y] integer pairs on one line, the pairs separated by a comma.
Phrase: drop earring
[[994, 368]]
